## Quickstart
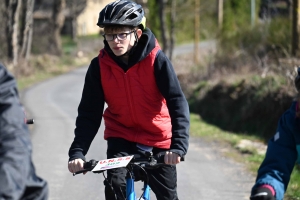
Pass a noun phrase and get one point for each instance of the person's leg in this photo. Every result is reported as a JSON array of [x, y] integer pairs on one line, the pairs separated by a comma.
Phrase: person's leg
[[163, 182], [116, 184]]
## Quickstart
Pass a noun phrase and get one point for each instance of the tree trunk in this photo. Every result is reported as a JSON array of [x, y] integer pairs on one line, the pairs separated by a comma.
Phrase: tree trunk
[[13, 8], [18, 33], [27, 30], [172, 31], [74, 28], [163, 25], [296, 29], [58, 19], [220, 14], [197, 31], [76, 7]]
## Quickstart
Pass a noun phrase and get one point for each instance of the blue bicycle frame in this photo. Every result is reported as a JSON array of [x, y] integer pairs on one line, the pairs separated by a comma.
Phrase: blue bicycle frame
[[130, 192]]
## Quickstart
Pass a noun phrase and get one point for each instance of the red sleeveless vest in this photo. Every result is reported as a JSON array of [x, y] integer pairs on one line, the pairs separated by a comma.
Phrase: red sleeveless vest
[[136, 109]]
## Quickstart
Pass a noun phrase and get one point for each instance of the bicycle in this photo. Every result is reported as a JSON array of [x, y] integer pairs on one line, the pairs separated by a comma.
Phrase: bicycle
[[135, 164]]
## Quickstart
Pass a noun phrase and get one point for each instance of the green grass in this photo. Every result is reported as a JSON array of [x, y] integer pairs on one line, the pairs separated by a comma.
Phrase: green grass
[[68, 45], [46, 66], [249, 157], [293, 191], [41, 75], [210, 133]]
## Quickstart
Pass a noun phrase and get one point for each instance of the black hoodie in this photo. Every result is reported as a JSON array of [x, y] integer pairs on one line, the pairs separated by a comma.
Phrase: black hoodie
[[91, 107]]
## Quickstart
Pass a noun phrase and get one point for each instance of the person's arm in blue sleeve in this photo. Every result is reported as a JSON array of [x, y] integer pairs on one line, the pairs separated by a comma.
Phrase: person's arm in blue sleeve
[[169, 86], [281, 155]]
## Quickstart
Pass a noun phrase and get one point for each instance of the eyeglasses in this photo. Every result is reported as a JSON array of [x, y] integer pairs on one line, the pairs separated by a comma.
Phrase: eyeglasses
[[119, 36]]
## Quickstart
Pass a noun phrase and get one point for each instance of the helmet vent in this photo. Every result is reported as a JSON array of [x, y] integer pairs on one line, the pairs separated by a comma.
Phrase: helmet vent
[[132, 16]]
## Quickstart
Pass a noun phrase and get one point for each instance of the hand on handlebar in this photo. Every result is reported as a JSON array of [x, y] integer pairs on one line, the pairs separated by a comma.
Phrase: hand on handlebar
[[76, 165], [262, 193], [171, 158]]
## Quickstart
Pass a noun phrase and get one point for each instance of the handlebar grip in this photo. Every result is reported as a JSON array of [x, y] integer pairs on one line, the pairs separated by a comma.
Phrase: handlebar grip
[[80, 171], [87, 166], [90, 164], [30, 121]]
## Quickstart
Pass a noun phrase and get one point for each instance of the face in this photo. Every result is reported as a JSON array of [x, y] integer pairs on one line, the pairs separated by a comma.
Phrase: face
[[120, 40]]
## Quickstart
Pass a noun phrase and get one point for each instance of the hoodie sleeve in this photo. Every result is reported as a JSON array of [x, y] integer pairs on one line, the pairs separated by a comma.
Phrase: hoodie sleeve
[[169, 86], [281, 155], [90, 112]]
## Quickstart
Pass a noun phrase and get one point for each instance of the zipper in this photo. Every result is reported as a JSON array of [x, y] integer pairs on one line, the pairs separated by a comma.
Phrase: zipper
[[129, 98]]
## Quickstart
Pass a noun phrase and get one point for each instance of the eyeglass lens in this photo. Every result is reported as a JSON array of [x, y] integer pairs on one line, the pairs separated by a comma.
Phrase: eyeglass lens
[[119, 36]]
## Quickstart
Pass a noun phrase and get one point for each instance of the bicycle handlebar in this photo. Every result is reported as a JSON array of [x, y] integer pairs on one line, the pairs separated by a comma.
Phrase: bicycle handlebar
[[146, 162], [29, 121]]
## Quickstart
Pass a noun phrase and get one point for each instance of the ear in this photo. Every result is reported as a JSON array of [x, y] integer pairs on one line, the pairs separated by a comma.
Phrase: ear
[[139, 33]]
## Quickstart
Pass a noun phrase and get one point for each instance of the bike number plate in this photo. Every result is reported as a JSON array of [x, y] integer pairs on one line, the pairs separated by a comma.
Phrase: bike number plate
[[112, 163]]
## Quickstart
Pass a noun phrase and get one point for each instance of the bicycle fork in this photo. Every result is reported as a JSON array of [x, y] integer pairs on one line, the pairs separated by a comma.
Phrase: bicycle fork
[[130, 192]]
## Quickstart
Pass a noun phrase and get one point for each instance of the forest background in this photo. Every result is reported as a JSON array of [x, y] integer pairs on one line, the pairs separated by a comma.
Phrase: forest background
[[237, 90]]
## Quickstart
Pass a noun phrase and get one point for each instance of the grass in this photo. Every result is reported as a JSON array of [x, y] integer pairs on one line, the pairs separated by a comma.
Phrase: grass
[[49, 69], [249, 157], [46, 66], [209, 132]]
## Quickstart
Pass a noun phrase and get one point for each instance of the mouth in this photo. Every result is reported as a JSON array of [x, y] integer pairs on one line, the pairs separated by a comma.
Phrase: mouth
[[117, 48]]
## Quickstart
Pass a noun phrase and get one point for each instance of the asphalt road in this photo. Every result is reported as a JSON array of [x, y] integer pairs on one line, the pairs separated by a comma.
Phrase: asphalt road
[[205, 174]]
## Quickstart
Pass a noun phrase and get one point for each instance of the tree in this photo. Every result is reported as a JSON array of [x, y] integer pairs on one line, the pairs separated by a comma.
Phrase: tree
[[75, 8], [12, 15], [163, 28], [296, 28], [26, 40], [56, 22], [220, 13], [197, 31], [172, 29], [18, 31]]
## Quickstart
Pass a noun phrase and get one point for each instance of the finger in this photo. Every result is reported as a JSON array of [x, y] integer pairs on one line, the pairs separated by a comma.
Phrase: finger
[[167, 158], [174, 158], [178, 159], [170, 158], [69, 167], [78, 165]]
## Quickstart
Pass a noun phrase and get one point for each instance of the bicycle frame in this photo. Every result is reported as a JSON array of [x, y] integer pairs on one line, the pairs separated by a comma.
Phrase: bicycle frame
[[130, 192]]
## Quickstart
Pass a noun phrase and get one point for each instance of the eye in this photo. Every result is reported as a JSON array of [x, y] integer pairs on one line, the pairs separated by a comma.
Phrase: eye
[[122, 35], [108, 37]]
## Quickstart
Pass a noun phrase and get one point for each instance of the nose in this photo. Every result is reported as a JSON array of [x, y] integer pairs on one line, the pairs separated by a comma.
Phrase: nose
[[116, 40]]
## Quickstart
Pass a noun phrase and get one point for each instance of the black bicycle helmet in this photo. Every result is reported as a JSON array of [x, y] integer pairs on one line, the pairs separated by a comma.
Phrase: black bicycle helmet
[[122, 12]]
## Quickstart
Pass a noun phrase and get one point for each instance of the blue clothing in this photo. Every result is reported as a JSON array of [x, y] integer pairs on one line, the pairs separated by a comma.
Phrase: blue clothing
[[282, 154]]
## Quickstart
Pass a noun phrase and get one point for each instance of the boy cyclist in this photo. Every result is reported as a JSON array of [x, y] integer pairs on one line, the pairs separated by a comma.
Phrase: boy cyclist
[[283, 152], [146, 107]]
